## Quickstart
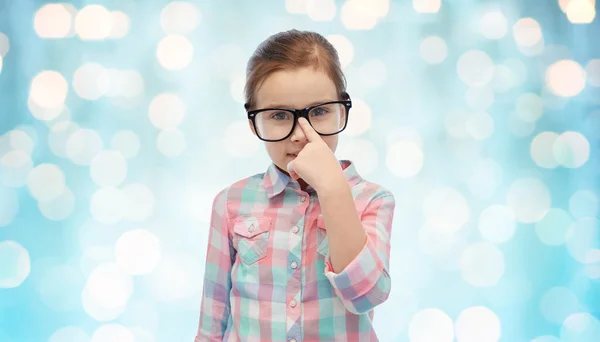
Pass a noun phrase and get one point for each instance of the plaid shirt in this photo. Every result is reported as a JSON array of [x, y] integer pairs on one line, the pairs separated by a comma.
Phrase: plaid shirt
[[268, 276]]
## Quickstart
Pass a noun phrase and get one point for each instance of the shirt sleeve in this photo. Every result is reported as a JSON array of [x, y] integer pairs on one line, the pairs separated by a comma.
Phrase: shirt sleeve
[[365, 282], [215, 306]]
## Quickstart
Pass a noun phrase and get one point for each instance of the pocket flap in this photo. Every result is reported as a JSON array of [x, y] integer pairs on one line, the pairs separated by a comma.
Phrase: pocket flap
[[321, 222], [251, 226]]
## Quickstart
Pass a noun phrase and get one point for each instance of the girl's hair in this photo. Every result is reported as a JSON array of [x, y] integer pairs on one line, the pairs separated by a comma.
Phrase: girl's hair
[[289, 50]]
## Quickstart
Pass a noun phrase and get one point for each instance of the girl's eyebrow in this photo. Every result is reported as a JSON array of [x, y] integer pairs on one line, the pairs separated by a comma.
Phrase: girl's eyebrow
[[278, 105]]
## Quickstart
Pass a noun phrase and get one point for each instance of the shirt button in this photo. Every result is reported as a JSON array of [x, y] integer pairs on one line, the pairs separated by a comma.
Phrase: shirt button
[[293, 303], [295, 229], [302, 199], [292, 340], [294, 264]]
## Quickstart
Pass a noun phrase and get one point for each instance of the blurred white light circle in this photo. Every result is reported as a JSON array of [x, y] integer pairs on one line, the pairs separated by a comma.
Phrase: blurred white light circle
[[239, 142], [140, 202], [552, 229], [58, 208], [20, 140], [558, 303], [571, 149], [49, 89], [171, 143], [404, 159], [519, 127], [91, 81], [125, 83], [59, 135], [296, 6], [580, 327], [541, 150], [167, 111], [93, 22], [174, 52], [565, 78], [108, 205], [227, 61], [581, 11], [236, 89], [9, 202], [175, 278], [493, 25], [446, 210], [475, 68], [46, 182], [109, 285], [529, 199], [356, 15], [361, 118], [482, 264], [53, 21], [180, 17], [137, 252], [497, 223], [504, 79], [480, 126], [69, 334], [529, 107], [95, 309], [113, 333], [477, 324], [433, 50], [527, 32], [142, 335], [15, 262], [592, 70], [83, 145], [344, 48], [421, 323], [4, 45], [427, 6], [126, 142], [583, 203], [108, 168], [120, 25], [14, 168], [583, 238], [323, 10], [373, 73], [480, 98], [362, 152]]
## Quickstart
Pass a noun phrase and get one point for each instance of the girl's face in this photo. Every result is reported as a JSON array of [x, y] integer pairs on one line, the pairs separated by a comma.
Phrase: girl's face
[[297, 88]]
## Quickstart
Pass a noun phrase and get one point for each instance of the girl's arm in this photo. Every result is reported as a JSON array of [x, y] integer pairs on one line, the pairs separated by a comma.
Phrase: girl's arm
[[215, 306]]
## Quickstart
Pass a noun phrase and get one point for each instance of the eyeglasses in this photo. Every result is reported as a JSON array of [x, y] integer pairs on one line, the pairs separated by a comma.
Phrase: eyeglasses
[[276, 124]]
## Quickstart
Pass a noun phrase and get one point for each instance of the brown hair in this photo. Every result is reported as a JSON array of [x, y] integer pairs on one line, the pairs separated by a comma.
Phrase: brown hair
[[288, 50]]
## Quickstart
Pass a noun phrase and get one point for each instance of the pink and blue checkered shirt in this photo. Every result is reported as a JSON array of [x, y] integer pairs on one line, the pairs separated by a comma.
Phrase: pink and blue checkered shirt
[[268, 276]]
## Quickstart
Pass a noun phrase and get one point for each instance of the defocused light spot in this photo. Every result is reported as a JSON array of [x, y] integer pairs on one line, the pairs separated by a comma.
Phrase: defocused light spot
[[228, 61], [529, 107], [126, 142], [581, 11], [108, 168], [142, 335], [419, 327], [137, 252], [565, 78], [166, 111], [171, 143], [527, 32], [583, 239], [446, 210], [239, 142], [140, 202], [112, 332], [69, 334], [541, 150], [19, 140], [174, 52], [580, 327], [237, 89], [552, 229], [497, 223], [493, 25], [433, 50], [362, 152], [357, 15], [504, 79], [91, 81], [4, 45], [15, 262], [46, 182], [14, 168], [519, 127], [344, 48], [49, 89], [482, 264], [583, 203], [9, 202], [558, 303], [125, 83], [593, 72], [93, 22], [57, 286], [52, 21], [97, 310], [475, 68], [49, 115], [108, 205], [427, 6], [480, 126], [109, 285], [58, 208], [322, 10], [565, 3], [180, 17], [373, 73], [404, 159], [436, 243], [120, 25], [484, 178], [361, 118], [571, 149], [476, 324], [479, 98], [175, 278], [296, 6], [59, 135], [529, 199], [83, 145]]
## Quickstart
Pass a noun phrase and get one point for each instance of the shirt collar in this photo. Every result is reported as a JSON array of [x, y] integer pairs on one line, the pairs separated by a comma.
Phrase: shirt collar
[[276, 181]]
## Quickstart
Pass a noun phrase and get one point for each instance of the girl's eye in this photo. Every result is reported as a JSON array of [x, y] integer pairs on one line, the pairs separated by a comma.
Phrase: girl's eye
[[280, 116], [318, 111]]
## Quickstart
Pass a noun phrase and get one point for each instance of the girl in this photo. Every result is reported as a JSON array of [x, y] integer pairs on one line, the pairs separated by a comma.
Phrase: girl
[[300, 252]]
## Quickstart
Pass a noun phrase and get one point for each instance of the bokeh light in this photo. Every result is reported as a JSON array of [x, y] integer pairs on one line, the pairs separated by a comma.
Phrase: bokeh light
[[419, 329], [93, 22], [565, 78], [477, 323], [53, 21], [174, 52], [180, 17], [16, 264]]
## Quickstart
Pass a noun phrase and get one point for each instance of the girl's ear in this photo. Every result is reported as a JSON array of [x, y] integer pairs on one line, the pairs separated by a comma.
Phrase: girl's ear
[[251, 126]]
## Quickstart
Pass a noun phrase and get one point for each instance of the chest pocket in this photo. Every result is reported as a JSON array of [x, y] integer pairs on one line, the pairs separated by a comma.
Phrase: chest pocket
[[251, 238], [322, 243]]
